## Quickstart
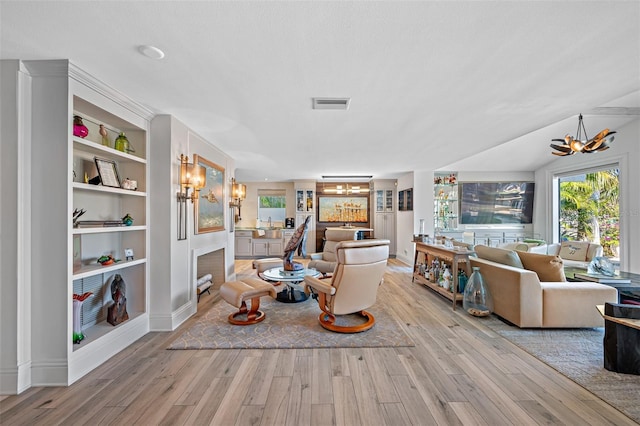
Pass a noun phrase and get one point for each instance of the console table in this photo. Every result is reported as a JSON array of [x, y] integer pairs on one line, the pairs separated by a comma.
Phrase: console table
[[454, 256]]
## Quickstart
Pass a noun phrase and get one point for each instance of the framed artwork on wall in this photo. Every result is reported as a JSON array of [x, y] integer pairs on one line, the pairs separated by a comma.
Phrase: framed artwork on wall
[[209, 206], [343, 209]]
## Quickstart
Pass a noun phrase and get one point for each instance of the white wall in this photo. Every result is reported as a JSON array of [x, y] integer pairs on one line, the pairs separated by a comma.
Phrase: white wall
[[15, 231], [406, 224], [173, 298], [625, 150]]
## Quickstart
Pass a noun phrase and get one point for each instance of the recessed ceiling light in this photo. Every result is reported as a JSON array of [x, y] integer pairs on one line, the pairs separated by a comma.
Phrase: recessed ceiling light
[[151, 52]]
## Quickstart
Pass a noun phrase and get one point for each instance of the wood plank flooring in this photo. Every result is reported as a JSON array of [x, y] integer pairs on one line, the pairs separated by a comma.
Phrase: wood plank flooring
[[459, 373]]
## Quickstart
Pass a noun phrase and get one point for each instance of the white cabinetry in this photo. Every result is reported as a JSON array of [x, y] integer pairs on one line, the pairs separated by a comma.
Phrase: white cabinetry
[[267, 247], [244, 244], [445, 204], [384, 218], [67, 255], [306, 206]]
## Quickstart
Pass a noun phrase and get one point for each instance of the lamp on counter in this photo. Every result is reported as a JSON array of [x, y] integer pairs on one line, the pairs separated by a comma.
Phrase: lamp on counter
[[238, 193], [582, 143], [192, 176]]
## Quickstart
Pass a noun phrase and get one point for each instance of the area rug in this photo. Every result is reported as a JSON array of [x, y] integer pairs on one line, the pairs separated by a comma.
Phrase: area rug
[[288, 325], [577, 354]]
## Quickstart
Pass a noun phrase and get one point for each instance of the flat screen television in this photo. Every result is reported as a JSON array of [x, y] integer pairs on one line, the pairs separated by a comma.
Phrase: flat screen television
[[496, 203]]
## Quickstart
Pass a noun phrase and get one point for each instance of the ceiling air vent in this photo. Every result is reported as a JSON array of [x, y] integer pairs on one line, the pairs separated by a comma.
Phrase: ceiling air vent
[[331, 103]]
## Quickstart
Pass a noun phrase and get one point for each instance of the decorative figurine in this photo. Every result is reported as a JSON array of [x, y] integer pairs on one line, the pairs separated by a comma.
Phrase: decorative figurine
[[128, 254], [129, 184], [117, 313], [76, 214], [105, 136], [79, 129], [298, 241], [107, 260], [127, 220]]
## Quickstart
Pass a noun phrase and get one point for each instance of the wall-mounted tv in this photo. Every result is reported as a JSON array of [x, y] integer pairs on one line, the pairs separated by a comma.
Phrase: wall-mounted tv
[[343, 209], [496, 203]]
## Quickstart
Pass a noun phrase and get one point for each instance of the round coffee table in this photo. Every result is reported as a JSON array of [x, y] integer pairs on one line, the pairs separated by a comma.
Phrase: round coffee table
[[292, 292]]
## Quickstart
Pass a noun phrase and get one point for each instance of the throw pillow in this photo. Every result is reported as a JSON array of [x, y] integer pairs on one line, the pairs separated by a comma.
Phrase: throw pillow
[[574, 250], [549, 268], [498, 255]]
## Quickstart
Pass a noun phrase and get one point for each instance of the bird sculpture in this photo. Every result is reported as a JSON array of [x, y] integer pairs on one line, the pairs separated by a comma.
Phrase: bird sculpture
[[298, 241], [210, 196], [571, 145]]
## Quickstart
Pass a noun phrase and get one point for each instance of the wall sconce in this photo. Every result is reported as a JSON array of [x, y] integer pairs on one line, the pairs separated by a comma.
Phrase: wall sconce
[[238, 193], [191, 176]]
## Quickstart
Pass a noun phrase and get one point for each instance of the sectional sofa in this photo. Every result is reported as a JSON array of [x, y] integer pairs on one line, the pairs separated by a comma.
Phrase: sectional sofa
[[530, 290]]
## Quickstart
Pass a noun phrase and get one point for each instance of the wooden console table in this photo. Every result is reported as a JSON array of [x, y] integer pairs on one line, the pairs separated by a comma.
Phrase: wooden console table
[[453, 256]]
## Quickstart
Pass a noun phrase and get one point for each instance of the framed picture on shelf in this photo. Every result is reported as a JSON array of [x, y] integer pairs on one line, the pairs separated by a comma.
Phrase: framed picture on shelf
[[209, 206], [108, 172]]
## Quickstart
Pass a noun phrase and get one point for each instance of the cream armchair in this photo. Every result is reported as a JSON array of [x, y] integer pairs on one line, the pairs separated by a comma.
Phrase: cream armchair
[[325, 262], [354, 285]]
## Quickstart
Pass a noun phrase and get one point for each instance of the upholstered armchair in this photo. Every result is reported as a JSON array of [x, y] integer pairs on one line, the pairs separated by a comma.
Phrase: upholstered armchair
[[325, 262], [354, 285]]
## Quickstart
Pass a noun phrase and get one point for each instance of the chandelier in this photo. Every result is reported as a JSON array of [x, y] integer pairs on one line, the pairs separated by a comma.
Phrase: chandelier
[[582, 143]]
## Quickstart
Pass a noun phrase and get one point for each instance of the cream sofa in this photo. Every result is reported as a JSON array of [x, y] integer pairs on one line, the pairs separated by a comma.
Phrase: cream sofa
[[524, 299]]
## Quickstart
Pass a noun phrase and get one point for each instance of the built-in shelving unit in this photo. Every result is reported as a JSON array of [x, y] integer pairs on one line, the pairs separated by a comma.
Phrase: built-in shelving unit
[[108, 203], [67, 249], [445, 204]]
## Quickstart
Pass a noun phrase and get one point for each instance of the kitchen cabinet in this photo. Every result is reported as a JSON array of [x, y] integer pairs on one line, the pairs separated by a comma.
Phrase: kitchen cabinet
[[243, 243], [263, 247]]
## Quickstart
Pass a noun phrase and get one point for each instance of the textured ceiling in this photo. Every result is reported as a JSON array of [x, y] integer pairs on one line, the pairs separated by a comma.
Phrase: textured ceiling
[[432, 83]]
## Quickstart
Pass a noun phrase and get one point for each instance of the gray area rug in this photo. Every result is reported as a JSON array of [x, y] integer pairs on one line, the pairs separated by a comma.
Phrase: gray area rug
[[577, 354], [288, 325]]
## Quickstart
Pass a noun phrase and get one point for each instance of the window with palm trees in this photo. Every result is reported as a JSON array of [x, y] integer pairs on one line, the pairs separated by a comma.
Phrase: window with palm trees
[[590, 209]]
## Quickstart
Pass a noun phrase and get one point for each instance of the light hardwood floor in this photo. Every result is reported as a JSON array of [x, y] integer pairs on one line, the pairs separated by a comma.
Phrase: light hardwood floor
[[459, 372]]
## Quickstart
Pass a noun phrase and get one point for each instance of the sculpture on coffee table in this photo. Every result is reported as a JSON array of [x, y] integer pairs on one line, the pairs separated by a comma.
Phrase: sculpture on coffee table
[[298, 241]]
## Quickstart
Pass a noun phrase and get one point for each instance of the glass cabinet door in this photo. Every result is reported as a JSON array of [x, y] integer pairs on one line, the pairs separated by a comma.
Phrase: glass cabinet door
[[300, 206], [388, 200], [380, 200]]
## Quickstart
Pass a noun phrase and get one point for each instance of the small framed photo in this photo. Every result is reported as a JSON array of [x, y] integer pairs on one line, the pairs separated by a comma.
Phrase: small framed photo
[[108, 172]]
